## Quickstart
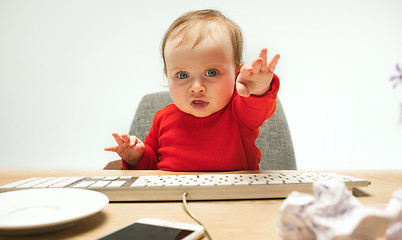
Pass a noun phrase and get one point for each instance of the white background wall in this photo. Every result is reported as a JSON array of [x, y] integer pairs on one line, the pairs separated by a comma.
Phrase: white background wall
[[72, 72]]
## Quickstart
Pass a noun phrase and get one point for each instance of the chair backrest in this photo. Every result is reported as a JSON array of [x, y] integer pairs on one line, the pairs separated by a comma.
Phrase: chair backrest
[[274, 140]]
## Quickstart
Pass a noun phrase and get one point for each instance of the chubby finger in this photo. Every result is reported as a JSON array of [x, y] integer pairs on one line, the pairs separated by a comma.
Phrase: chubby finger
[[272, 64], [263, 55], [246, 70], [257, 65], [126, 138], [133, 141], [111, 149], [118, 138]]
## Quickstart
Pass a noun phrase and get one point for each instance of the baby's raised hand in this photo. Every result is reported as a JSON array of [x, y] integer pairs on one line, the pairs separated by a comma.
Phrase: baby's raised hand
[[129, 148], [256, 78]]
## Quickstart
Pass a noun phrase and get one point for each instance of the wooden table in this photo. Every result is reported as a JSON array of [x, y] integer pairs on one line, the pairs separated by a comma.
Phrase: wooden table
[[234, 219]]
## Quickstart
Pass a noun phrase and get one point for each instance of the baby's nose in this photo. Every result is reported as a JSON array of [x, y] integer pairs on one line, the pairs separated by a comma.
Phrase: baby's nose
[[197, 87]]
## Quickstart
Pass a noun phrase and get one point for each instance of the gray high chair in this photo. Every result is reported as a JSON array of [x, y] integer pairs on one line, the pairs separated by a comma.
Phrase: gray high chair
[[274, 140]]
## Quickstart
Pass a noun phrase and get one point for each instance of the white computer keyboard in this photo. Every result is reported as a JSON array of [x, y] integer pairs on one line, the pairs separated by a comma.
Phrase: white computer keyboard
[[198, 187]]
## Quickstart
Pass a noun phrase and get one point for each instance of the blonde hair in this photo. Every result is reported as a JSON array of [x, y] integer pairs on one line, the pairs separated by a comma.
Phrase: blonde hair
[[204, 20]]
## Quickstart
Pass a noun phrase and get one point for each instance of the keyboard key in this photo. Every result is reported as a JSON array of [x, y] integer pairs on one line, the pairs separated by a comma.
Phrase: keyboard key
[[98, 177], [138, 183], [100, 184], [111, 178], [275, 182], [189, 184], [172, 184], [84, 184], [290, 181], [116, 184], [125, 177]]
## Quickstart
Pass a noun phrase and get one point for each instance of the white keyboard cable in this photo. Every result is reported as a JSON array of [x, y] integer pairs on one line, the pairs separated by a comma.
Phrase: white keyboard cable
[[209, 235]]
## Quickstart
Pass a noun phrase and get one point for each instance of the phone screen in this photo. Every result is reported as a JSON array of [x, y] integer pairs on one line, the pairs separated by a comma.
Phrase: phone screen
[[139, 231]]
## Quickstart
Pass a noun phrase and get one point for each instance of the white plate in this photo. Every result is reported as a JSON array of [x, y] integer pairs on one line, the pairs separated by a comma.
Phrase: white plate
[[35, 211]]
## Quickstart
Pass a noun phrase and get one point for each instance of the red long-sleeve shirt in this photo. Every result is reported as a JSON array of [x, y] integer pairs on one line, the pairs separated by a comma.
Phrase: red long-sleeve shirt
[[223, 141]]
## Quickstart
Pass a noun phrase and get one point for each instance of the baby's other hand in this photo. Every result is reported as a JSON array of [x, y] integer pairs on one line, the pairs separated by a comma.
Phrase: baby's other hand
[[256, 78], [129, 148]]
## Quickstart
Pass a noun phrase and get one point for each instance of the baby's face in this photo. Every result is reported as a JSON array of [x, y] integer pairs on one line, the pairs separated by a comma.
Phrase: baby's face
[[201, 78]]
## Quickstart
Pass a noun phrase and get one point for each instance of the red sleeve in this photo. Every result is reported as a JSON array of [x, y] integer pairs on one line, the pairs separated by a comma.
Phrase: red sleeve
[[126, 166], [252, 111], [148, 161]]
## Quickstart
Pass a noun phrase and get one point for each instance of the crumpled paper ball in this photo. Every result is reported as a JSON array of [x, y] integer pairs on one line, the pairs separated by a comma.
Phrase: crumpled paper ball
[[394, 232], [333, 213]]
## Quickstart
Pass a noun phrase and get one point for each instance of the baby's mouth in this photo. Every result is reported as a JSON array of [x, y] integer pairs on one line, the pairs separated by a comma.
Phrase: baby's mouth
[[199, 104]]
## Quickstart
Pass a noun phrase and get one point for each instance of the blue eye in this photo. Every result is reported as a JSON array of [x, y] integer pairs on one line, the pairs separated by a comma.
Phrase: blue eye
[[182, 75], [211, 72]]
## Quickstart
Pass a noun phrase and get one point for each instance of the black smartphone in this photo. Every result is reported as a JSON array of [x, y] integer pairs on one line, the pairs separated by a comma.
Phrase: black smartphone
[[156, 229]]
